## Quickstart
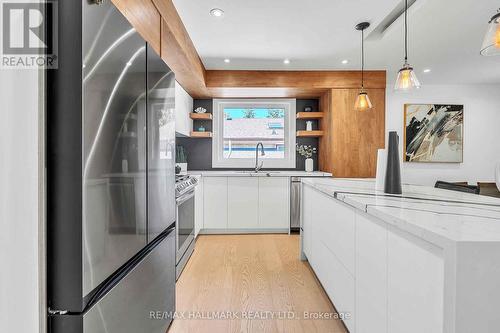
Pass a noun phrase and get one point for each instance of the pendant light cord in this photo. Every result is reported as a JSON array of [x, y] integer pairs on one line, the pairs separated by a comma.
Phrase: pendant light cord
[[406, 31], [362, 58]]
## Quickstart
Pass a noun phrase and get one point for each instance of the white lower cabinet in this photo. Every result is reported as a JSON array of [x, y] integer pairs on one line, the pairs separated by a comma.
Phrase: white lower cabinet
[[371, 276], [198, 206], [415, 285], [242, 203], [246, 204], [215, 203], [274, 202], [329, 260], [387, 280], [306, 220]]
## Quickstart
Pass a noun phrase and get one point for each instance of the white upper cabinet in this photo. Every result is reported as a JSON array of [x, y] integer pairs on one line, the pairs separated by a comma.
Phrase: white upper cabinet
[[274, 202], [183, 107]]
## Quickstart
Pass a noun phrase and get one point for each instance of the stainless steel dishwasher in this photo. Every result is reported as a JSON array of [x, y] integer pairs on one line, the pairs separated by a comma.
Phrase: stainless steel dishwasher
[[295, 204]]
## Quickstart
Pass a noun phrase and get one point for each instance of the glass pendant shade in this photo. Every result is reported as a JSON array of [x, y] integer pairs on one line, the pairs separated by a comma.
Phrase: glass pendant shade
[[491, 44], [407, 79], [363, 102]]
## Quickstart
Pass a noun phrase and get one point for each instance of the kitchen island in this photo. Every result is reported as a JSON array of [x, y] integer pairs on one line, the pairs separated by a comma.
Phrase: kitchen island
[[424, 261]]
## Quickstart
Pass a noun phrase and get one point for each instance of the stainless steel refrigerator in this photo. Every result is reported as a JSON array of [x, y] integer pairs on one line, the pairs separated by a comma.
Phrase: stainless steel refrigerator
[[110, 177]]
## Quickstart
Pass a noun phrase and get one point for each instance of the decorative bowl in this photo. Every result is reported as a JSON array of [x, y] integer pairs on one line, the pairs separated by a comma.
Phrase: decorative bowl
[[200, 110]]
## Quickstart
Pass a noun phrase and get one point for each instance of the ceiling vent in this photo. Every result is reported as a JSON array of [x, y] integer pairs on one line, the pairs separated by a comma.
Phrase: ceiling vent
[[379, 31]]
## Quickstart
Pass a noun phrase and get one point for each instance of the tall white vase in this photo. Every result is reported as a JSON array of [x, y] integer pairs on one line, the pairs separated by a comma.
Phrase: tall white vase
[[381, 168], [497, 175], [309, 164]]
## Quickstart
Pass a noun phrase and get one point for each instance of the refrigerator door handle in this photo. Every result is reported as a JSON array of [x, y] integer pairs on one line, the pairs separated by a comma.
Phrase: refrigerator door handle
[[52, 312]]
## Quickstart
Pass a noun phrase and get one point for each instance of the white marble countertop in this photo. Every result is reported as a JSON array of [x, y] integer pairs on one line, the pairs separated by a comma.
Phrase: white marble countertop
[[436, 215], [265, 173]]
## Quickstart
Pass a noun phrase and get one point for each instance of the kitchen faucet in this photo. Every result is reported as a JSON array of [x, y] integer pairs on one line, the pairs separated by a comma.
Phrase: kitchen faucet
[[262, 153]]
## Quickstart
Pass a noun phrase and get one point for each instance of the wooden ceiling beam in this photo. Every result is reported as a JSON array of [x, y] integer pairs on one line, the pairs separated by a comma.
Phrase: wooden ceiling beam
[[274, 92], [144, 17], [178, 51], [294, 79], [160, 24]]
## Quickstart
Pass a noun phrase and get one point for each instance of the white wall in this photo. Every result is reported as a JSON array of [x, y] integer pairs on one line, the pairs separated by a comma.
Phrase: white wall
[[20, 296], [481, 131]]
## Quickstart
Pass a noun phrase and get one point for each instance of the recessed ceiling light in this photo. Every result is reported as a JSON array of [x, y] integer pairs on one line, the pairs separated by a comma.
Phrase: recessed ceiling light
[[286, 61], [427, 70], [345, 61], [227, 61], [217, 12]]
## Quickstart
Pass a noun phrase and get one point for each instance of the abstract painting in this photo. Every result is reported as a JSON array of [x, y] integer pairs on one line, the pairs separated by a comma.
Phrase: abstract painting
[[433, 133]]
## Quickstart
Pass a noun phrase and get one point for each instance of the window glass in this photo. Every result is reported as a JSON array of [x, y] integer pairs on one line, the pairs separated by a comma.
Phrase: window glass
[[239, 125], [244, 128]]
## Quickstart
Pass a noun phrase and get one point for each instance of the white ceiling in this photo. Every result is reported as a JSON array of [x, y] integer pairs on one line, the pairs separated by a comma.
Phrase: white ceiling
[[445, 36]]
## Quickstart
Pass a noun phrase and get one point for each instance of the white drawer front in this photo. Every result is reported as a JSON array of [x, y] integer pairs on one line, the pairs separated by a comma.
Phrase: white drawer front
[[337, 224]]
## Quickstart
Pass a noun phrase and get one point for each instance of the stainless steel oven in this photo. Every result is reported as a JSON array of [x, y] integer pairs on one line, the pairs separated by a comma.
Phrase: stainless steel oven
[[184, 229]]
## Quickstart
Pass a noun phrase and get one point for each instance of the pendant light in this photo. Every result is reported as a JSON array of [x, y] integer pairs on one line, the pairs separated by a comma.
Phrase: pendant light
[[491, 44], [362, 101], [407, 79]]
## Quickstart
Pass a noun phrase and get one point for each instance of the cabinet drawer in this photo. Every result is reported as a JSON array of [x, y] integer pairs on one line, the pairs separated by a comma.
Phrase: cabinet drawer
[[336, 223], [338, 283]]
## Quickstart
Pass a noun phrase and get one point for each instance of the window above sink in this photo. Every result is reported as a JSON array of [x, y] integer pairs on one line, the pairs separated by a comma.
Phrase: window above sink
[[240, 124]]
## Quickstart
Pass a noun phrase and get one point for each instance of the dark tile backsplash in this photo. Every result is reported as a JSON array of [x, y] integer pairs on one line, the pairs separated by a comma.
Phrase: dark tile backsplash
[[200, 150]]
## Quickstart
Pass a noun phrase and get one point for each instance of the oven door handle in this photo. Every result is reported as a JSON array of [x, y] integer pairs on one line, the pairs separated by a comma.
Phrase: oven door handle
[[185, 197]]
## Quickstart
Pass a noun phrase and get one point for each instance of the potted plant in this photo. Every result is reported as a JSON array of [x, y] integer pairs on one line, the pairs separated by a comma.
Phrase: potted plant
[[307, 151], [181, 159]]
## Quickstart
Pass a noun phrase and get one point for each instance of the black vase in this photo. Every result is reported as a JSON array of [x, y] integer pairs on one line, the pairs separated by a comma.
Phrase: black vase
[[393, 172]]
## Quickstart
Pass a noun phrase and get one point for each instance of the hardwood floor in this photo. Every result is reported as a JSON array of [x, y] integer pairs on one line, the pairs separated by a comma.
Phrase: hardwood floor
[[252, 275]]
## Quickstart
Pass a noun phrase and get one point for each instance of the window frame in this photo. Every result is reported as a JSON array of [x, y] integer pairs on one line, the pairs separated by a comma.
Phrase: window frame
[[289, 105]]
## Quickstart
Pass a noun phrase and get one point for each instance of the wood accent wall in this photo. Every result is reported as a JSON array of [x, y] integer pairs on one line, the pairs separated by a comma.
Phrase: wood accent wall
[[326, 163], [349, 146]]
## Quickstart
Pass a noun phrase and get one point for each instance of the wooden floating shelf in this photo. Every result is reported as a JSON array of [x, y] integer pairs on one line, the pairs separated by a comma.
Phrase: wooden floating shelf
[[201, 134], [310, 115], [309, 134], [201, 116]]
